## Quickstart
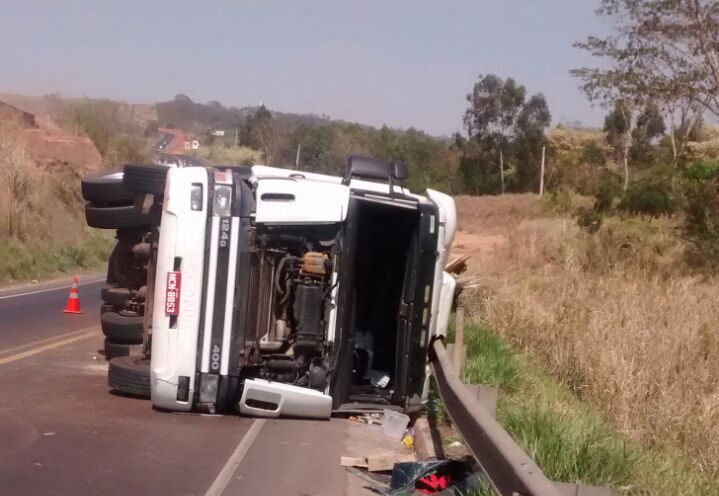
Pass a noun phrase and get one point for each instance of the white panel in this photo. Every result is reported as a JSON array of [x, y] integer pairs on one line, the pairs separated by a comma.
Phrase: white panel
[[304, 202], [182, 234], [230, 297], [332, 324], [210, 297]]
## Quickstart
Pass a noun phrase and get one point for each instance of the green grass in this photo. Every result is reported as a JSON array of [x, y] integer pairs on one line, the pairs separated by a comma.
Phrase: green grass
[[566, 438], [24, 262]]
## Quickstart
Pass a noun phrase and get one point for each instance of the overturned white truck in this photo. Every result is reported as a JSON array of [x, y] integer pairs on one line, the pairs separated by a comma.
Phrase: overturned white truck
[[280, 292]]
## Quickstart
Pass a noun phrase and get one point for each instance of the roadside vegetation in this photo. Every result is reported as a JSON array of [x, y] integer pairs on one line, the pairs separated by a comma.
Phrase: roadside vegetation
[[567, 438], [601, 342]]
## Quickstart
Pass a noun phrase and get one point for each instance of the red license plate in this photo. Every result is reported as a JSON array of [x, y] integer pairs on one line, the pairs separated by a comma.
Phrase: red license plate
[[172, 293]]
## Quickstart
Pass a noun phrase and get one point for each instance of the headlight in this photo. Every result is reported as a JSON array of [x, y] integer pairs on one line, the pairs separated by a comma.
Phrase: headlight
[[222, 203], [196, 196]]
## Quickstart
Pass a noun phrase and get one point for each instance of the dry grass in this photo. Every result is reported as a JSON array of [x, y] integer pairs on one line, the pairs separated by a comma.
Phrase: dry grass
[[42, 225], [618, 316]]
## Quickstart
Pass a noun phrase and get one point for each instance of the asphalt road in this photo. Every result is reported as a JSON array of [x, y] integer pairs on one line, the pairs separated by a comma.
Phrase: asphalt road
[[63, 432]]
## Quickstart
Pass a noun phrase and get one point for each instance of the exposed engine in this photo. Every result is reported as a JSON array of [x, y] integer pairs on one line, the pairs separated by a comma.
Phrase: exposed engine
[[293, 304]]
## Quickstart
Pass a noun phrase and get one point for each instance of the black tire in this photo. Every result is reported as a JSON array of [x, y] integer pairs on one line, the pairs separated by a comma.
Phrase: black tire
[[114, 350], [107, 308], [130, 375], [123, 268], [122, 328], [145, 179], [114, 295], [105, 188], [123, 217]]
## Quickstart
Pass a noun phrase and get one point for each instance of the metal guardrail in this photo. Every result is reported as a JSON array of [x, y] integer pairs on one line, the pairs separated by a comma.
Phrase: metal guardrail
[[509, 469]]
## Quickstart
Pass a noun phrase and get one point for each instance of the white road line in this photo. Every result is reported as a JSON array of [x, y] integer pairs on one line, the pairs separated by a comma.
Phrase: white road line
[[46, 290], [225, 475]]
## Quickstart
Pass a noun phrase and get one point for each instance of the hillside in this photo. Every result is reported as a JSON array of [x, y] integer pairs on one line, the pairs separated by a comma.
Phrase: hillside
[[42, 227]]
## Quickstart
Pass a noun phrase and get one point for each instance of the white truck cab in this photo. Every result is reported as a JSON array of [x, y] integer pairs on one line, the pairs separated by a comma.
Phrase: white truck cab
[[281, 292]]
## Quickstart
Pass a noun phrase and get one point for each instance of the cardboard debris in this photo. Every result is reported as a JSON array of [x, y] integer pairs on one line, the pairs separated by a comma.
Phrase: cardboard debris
[[458, 265], [353, 461], [377, 463]]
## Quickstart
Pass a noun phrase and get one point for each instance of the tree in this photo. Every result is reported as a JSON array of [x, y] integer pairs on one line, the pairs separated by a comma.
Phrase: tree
[[490, 119], [664, 50], [650, 126], [265, 133], [532, 120], [619, 126]]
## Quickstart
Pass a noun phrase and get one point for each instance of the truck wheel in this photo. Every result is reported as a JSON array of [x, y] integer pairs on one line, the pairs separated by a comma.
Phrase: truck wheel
[[105, 188], [130, 375], [114, 350], [121, 328], [115, 295], [104, 308], [145, 179], [124, 217], [123, 268]]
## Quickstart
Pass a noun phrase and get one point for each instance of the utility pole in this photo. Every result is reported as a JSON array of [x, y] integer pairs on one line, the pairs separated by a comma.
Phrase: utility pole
[[501, 168], [236, 136], [541, 174], [297, 159]]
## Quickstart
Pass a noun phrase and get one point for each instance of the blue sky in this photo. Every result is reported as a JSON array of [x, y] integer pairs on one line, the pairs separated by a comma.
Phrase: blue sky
[[403, 63]]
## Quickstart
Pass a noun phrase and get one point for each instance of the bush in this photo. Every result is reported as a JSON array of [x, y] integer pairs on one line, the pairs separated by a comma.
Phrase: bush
[[701, 223], [655, 194], [558, 202], [608, 188], [590, 219]]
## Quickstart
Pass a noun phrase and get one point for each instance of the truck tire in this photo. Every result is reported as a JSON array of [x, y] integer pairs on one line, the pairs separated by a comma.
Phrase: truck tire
[[115, 295], [104, 308], [123, 217], [145, 179], [105, 188], [123, 268], [130, 375], [122, 328], [114, 350]]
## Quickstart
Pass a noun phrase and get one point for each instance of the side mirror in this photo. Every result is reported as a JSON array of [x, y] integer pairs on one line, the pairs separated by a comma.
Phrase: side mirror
[[400, 171]]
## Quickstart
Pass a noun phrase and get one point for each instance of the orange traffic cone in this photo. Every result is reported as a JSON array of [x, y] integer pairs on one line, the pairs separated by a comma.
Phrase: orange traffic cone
[[73, 303]]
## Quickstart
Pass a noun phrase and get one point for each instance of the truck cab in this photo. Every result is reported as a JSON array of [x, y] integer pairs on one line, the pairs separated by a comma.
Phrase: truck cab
[[281, 292]]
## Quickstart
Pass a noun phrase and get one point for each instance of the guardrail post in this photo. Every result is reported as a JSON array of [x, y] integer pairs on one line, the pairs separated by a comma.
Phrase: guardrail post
[[458, 351]]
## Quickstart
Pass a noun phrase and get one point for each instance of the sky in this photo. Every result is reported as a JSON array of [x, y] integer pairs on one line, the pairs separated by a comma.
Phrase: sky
[[404, 63]]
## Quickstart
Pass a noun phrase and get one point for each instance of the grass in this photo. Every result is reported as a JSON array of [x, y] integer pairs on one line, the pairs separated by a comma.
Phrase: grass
[[569, 440], [622, 322], [24, 262]]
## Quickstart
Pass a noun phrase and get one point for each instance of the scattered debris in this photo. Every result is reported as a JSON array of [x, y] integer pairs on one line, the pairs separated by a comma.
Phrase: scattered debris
[[353, 461], [377, 378], [367, 418], [431, 477], [394, 424], [377, 463], [408, 439]]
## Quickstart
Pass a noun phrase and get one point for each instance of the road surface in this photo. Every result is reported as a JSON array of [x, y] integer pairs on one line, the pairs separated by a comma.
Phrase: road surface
[[62, 432]]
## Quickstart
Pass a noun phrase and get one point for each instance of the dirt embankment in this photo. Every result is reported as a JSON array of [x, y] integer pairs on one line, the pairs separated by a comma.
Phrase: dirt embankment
[[40, 170]]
